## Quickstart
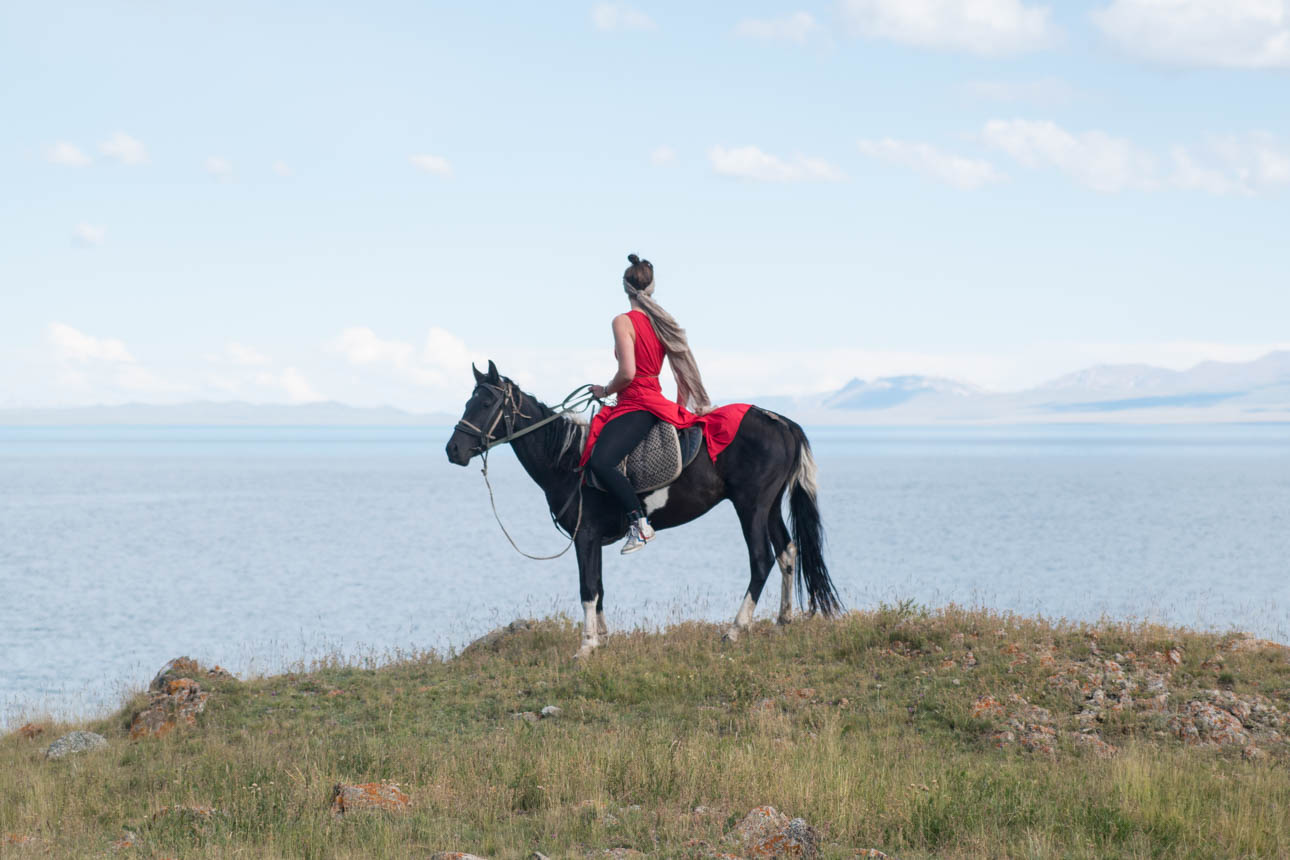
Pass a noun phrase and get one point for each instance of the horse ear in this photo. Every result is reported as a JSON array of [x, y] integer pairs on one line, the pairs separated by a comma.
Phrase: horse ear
[[493, 376], [479, 377]]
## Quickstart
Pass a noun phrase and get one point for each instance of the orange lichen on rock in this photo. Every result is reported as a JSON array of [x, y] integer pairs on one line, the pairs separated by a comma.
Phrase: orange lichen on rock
[[988, 706], [31, 731], [388, 796], [767, 832], [178, 702]]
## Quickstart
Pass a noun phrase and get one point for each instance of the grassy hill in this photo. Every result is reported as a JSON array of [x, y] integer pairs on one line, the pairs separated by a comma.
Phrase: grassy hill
[[946, 734]]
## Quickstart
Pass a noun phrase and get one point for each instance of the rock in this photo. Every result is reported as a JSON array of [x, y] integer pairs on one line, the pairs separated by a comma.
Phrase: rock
[[988, 706], [1252, 753], [177, 703], [1248, 644], [494, 639], [1205, 723], [346, 798], [130, 840], [527, 716], [30, 731], [551, 711], [1090, 741], [75, 742], [969, 660], [767, 832], [187, 667], [538, 855]]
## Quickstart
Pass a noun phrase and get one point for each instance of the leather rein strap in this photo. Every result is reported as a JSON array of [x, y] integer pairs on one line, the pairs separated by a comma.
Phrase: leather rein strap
[[579, 399]]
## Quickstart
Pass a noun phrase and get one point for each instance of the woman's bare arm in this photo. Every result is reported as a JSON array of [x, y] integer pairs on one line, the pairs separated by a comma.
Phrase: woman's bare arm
[[625, 349]]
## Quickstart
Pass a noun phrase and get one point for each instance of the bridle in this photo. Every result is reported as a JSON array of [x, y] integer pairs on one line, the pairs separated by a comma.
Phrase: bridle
[[505, 409], [504, 396]]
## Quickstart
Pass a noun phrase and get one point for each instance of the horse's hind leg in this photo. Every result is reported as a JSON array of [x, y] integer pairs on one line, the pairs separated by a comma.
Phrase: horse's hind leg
[[601, 627], [786, 555], [753, 520]]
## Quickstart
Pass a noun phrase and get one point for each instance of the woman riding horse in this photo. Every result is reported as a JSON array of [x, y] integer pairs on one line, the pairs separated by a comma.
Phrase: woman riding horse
[[642, 336]]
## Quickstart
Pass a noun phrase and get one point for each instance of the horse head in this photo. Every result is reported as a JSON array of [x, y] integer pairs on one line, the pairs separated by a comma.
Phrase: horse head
[[488, 416]]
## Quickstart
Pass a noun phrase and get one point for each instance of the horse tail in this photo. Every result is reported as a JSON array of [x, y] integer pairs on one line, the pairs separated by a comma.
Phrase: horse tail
[[808, 531]]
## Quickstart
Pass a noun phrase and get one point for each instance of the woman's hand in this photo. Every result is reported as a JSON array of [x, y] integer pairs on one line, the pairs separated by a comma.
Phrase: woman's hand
[[598, 392]]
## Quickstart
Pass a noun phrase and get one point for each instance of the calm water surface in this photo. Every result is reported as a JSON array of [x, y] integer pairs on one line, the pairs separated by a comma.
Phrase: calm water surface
[[251, 547]]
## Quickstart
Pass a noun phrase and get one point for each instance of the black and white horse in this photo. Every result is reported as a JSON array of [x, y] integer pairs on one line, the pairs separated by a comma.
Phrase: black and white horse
[[769, 457]]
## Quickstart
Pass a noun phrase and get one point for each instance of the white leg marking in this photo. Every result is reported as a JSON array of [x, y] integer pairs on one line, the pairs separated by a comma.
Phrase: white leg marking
[[655, 501], [742, 618], [590, 630], [601, 627], [786, 560]]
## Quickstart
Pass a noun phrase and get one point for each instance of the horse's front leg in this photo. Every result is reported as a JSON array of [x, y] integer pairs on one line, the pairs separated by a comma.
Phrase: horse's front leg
[[588, 547], [759, 562]]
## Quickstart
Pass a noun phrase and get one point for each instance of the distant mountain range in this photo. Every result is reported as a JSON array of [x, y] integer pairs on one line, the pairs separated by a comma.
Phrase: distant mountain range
[[1213, 391], [1210, 392]]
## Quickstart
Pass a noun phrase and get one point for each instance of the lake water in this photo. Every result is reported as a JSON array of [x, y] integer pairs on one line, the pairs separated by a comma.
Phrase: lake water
[[121, 548]]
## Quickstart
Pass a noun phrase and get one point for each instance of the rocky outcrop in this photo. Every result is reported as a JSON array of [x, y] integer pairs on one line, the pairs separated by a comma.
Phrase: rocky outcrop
[[187, 667], [368, 796], [1223, 718], [494, 639], [176, 703], [73, 743], [767, 832]]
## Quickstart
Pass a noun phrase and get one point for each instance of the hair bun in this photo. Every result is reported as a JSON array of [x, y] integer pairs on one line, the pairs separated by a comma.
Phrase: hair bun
[[633, 259]]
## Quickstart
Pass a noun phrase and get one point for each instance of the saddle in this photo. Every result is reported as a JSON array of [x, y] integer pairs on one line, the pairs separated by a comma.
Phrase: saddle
[[659, 458]]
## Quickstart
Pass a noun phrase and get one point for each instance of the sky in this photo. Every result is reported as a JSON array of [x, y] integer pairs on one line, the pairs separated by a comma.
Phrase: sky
[[291, 202]]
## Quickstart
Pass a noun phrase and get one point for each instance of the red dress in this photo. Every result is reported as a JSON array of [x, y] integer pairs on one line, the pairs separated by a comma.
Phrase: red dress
[[644, 393]]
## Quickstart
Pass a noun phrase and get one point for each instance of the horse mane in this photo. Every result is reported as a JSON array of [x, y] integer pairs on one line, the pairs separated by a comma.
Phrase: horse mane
[[563, 439]]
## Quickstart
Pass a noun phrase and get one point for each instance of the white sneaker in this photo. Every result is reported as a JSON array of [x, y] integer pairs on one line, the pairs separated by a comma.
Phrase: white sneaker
[[638, 534]]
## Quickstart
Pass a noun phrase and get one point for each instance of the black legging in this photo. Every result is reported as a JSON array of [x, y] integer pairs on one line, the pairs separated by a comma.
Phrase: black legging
[[617, 439]]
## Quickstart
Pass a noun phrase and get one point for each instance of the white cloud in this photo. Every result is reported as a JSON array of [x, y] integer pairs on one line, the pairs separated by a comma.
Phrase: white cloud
[[124, 148], [1249, 164], [67, 154], [978, 26], [662, 156], [749, 162], [442, 358], [240, 353], [297, 387], [1043, 91], [1092, 158], [619, 16], [798, 27], [282, 168], [957, 170], [89, 235], [219, 167], [436, 164], [75, 345], [1252, 34]]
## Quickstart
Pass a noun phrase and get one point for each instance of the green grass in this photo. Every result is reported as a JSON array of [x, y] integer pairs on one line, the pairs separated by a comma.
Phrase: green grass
[[863, 726]]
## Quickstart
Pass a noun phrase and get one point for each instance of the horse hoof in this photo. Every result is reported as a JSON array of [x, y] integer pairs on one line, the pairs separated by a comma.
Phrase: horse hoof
[[584, 652], [731, 635], [784, 620]]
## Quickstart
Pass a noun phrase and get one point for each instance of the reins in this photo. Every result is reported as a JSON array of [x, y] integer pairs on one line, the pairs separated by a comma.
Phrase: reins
[[578, 400]]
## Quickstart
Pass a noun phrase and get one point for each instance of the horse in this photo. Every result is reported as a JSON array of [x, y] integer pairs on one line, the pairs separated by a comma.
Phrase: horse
[[769, 456]]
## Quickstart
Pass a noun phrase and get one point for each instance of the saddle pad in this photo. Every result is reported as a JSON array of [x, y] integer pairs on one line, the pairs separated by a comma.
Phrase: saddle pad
[[659, 458]]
